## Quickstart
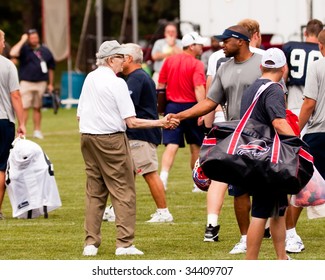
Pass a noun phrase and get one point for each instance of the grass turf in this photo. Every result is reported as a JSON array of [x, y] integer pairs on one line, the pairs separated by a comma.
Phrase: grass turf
[[60, 237]]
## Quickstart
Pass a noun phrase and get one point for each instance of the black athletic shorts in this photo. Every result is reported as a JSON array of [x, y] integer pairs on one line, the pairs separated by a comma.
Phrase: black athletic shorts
[[7, 136]]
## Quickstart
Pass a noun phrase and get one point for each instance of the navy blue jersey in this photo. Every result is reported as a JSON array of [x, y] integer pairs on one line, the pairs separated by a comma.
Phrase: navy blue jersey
[[299, 56], [143, 93], [221, 61]]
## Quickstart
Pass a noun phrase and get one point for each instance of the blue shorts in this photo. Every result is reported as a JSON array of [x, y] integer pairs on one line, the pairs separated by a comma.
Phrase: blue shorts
[[7, 136], [263, 205], [235, 191], [316, 142], [193, 133], [269, 205]]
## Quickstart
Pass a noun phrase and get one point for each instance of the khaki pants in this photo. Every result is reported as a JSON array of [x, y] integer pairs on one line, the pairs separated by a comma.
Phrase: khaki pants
[[110, 171]]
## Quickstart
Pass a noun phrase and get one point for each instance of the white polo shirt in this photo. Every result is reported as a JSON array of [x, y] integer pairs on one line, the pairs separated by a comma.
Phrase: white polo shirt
[[104, 103]]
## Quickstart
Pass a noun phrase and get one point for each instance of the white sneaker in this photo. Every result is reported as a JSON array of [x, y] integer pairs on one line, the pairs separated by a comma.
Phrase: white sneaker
[[109, 214], [294, 244], [159, 217], [239, 248], [196, 189], [90, 250], [128, 251], [38, 134]]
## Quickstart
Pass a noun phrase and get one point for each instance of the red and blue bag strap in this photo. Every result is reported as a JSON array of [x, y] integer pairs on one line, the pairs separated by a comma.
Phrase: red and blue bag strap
[[240, 127]]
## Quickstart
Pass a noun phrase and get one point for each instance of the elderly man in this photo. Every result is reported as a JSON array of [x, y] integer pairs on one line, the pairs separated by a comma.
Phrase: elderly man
[[105, 109]]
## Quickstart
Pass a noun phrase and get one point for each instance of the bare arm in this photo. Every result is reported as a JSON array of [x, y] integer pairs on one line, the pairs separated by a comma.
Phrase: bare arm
[[161, 86], [166, 122], [209, 118], [19, 111], [159, 56], [282, 127], [51, 80], [307, 108], [203, 107], [199, 93], [15, 50]]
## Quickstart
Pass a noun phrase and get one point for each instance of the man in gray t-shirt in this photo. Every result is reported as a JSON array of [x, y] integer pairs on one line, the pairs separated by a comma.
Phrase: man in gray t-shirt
[[313, 108], [10, 103], [230, 82], [227, 87]]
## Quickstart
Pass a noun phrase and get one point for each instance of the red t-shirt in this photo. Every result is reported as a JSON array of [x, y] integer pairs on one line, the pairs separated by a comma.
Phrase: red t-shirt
[[182, 73]]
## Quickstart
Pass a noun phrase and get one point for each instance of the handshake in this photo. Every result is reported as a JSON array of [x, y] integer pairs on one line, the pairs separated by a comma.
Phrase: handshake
[[170, 121]]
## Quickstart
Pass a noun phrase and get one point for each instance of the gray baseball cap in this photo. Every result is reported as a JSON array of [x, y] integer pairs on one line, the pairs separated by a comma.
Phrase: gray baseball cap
[[109, 48]]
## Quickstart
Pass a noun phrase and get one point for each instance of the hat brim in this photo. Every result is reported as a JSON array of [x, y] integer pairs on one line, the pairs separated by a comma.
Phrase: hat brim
[[232, 34], [200, 41], [122, 50], [222, 37]]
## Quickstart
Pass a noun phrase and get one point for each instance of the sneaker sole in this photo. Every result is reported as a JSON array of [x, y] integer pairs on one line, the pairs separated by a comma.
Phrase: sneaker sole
[[237, 252], [213, 239], [295, 252], [157, 222], [129, 254]]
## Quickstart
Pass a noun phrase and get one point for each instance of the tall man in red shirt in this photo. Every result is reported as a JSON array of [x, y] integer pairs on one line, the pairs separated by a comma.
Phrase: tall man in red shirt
[[183, 77]]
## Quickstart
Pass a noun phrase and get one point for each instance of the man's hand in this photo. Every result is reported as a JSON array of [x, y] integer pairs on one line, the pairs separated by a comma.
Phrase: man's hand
[[24, 38], [170, 122], [50, 88], [200, 121], [21, 130], [171, 40]]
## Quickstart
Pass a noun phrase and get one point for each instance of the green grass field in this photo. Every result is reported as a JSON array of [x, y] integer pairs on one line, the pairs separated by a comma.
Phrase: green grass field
[[60, 237]]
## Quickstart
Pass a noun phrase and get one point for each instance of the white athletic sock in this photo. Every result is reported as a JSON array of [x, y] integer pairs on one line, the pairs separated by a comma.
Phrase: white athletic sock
[[164, 175], [244, 238], [212, 220], [291, 232], [162, 210], [164, 178]]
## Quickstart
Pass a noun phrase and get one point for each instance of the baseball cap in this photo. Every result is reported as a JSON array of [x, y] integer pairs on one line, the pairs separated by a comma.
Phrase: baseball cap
[[273, 58], [193, 38], [232, 34], [109, 48]]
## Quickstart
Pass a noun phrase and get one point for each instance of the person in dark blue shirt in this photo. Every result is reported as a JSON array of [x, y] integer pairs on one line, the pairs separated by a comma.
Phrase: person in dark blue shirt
[[269, 110], [144, 142], [36, 74]]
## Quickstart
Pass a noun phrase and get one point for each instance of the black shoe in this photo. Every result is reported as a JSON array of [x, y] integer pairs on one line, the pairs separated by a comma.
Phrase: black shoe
[[211, 233], [267, 233]]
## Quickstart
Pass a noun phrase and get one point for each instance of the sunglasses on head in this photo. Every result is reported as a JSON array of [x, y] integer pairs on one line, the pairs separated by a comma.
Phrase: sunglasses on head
[[31, 31]]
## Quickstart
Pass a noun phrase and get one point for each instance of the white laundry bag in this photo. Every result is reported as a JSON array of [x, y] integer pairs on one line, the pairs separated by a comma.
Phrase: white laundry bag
[[30, 181]]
